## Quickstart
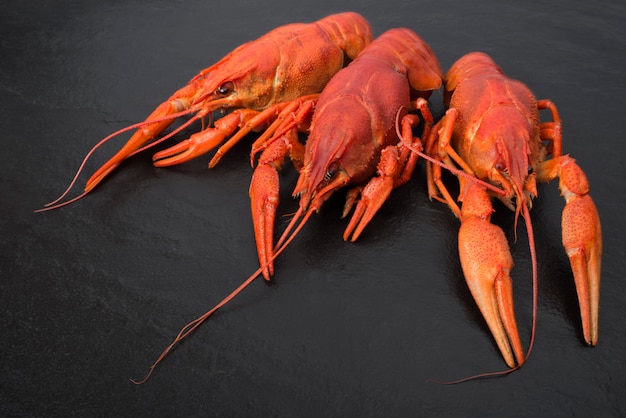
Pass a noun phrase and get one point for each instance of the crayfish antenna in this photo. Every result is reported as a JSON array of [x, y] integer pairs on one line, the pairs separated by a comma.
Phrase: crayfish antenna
[[188, 329], [193, 325], [52, 206], [533, 257], [475, 377], [55, 203]]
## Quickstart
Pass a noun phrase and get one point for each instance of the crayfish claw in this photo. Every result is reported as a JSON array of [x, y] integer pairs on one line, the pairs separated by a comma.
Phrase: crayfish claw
[[372, 198], [264, 201], [486, 261], [581, 236]]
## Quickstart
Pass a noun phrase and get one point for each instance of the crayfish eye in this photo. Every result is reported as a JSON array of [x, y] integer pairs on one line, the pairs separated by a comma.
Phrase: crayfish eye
[[500, 166], [530, 170], [225, 89], [332, 169]]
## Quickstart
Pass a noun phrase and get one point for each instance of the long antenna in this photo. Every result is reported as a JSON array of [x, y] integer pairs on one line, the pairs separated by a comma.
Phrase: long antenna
[[193, 325], [55, 205]]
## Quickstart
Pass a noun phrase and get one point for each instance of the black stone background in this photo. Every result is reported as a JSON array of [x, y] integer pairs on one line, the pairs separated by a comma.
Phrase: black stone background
[[91, 294]]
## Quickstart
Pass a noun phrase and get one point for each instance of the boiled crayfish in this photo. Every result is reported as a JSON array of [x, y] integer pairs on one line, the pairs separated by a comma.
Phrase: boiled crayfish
[[258, 79], [353, 137], [492, 130]]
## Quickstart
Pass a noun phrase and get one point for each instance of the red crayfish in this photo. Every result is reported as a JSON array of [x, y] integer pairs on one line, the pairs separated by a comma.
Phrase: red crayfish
[[492, 131], [258, 80]]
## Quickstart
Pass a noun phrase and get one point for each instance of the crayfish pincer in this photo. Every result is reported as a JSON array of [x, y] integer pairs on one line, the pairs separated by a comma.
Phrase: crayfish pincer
[[492, 131]]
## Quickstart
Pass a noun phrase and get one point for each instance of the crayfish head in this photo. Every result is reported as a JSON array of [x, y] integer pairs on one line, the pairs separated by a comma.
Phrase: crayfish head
[[319, 179], [312, 199], [510, 159], [244, 78], [337, 153], [217, 92]]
